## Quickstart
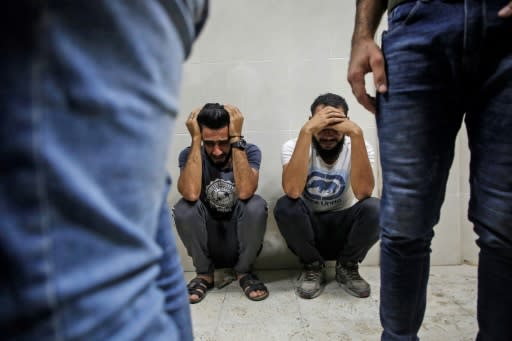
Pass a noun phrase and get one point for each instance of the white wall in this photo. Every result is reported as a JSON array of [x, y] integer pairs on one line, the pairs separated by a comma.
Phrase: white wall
[[271, 59]]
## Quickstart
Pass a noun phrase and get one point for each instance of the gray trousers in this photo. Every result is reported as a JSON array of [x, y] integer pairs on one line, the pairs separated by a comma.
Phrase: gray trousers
[[345, 235], [234, 241]]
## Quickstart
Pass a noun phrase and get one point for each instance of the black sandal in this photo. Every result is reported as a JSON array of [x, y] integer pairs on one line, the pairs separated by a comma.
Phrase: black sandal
[[199, 287], [250, 283]]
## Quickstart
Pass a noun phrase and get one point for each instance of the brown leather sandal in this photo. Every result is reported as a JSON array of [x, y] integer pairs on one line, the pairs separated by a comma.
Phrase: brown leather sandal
[[199, 287], [250, 283]]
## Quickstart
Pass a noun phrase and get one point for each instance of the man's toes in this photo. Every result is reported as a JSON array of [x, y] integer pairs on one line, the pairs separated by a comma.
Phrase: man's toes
[[257, 293]]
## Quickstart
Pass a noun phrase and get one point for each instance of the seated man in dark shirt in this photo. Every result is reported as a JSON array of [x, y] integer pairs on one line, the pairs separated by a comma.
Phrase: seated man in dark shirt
[[219, 219]]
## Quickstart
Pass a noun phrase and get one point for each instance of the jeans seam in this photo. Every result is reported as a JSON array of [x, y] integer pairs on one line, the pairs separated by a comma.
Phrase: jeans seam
[[465, 41], [42, 191], [418, 297]]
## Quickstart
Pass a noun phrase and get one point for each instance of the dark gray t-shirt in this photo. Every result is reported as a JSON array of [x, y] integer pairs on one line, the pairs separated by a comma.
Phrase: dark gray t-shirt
[[218, 188]]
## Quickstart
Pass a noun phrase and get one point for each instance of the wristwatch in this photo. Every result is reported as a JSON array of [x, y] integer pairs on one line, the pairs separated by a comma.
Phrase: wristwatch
[[240, 144]]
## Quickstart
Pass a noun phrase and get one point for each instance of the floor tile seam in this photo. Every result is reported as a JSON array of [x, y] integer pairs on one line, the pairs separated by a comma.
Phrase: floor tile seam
[[219, 316], [302, 321]]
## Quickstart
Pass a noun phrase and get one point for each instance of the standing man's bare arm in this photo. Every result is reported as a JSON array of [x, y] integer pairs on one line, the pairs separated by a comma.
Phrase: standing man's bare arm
[[366, 55]]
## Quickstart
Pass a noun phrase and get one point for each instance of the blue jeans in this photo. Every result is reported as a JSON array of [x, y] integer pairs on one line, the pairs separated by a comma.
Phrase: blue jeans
[[87, 109], [447, 61], [170, 279]]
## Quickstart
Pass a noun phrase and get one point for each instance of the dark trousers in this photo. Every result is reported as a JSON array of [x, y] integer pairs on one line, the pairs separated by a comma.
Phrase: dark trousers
[[234, 241], [345, 235]]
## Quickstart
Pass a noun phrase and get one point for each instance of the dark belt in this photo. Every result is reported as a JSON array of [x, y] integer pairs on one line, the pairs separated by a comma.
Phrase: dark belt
[[393, 3]]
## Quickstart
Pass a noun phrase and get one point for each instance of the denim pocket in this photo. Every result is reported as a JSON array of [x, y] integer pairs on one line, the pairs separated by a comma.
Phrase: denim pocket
[[402, 14]]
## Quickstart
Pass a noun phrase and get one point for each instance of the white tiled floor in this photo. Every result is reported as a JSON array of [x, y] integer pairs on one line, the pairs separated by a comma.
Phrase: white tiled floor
[[226, 314]]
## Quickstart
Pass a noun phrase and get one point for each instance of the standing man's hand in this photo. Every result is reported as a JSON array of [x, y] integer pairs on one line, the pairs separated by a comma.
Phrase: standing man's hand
[[366, 57], [192, 125], [506, 12], [236, 120]]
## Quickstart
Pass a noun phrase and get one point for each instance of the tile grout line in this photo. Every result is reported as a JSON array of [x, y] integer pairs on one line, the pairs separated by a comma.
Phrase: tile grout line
[[302, 322], [217, 322]]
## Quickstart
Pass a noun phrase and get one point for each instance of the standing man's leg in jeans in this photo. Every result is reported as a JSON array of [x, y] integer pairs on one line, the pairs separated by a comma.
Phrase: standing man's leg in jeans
[[87, 112], [464, 72], [489, 123], [170, 279]]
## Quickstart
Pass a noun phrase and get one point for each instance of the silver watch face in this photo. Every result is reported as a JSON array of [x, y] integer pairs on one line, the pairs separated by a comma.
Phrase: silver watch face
[[240, 144]]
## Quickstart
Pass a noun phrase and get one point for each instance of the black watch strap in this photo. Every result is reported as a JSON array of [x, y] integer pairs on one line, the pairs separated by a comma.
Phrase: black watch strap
[[240, 144]]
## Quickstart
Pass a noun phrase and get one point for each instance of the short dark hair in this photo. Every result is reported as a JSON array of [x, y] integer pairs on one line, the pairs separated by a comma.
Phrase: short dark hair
[[330, 99], [213, 116]]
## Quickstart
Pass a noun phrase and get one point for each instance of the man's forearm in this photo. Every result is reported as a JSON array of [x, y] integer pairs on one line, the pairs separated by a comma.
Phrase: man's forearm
[[246, 179], [296, 171], [368, 16], [189, 182], [361, 176]]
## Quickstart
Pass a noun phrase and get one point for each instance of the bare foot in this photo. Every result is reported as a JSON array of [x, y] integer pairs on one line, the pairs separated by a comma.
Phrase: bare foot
[[256, 294], [197, 289]]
